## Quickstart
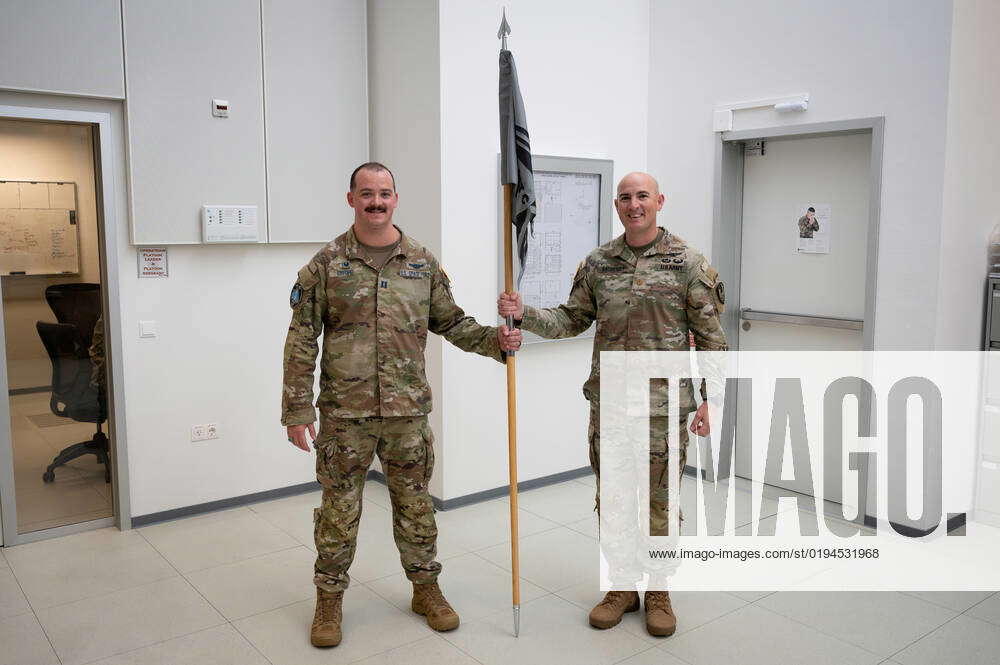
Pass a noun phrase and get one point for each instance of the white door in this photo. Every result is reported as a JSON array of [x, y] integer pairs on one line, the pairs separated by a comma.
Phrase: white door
[[799, 292]]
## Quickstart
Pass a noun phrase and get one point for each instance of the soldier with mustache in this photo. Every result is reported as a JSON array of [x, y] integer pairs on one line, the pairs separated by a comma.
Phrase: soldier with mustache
[[373, 294]]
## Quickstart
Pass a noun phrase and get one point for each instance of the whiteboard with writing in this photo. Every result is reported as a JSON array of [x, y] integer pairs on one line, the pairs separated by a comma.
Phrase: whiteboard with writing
[[38, 229]]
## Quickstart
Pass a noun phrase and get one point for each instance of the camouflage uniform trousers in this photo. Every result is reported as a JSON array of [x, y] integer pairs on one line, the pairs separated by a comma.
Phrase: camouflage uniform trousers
[[625, 550], [658, 479], [345, 449]]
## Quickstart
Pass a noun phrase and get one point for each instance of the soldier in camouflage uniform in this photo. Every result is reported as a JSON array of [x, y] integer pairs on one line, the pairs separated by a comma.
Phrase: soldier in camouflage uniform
[[647, 290], [373, 294], [808, 224]]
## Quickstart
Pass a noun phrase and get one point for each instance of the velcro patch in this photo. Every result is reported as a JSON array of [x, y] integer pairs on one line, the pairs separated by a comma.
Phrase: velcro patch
[[610, 268], [344, 273], [296, 296], [669, 266], [720, 292], [414, 274]]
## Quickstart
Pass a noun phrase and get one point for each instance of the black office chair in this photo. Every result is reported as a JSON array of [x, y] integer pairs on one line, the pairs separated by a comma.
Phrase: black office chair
[[78, 303], [73, 394]]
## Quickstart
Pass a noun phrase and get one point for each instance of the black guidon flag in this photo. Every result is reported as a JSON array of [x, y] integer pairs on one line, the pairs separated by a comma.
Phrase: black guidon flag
[[515, 157]]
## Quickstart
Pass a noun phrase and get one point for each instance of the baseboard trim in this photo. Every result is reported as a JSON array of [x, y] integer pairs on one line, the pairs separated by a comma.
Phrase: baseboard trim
[[293, 490], [223, 504], [496, 492], [955, 520]]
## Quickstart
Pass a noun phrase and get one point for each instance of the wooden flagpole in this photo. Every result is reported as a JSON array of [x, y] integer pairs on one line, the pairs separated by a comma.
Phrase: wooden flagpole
[[508, 285]]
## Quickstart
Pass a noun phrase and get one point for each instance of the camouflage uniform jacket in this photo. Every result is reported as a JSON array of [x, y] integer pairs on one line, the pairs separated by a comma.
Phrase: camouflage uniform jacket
[[374, 325], [645, 303], [806, 227]]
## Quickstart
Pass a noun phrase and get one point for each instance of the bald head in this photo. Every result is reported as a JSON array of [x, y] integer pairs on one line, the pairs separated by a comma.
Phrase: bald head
[[638, 201], [640, 179]]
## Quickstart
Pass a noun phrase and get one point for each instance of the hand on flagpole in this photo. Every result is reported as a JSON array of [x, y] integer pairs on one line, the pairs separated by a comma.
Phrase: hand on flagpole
[[509, 304], [510, 340]]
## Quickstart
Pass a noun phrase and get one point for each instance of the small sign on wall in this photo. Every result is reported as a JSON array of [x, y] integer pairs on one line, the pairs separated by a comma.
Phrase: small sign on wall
[[153, 262], [813, 227]]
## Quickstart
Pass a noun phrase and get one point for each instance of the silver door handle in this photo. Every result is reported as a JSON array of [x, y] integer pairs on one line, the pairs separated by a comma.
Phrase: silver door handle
[[748, 314]]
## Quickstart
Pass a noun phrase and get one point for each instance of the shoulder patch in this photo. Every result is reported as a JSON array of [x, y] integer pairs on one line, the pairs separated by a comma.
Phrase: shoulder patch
[[296, 296], [709, 275]]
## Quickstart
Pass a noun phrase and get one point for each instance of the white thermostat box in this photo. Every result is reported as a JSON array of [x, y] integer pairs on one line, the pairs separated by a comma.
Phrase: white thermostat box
[[229, 224]]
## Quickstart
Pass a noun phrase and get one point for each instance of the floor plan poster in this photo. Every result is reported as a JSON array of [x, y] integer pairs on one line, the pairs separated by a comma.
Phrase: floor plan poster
[[566, 230]]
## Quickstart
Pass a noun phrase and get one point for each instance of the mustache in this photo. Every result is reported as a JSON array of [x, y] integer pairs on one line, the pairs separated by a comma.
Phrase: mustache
[[375, 209]]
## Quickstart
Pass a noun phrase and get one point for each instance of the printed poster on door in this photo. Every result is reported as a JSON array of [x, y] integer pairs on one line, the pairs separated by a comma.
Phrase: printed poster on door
[[813, 228]]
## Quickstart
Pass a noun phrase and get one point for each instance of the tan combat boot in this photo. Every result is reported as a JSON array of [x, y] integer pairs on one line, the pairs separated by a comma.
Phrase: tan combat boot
[[608, 612], [429, 602], [660, 619], [326, 622]]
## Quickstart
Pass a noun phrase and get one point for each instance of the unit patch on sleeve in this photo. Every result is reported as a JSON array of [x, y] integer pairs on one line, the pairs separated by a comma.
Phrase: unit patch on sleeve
[[296, 296]]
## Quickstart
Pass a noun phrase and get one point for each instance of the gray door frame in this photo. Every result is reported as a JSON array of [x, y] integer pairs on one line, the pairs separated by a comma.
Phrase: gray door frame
[[727, 227], [727, 224], [106, 166]]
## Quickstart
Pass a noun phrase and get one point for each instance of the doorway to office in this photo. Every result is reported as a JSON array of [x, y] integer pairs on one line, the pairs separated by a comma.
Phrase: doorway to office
[[58, 454], [796, 235]]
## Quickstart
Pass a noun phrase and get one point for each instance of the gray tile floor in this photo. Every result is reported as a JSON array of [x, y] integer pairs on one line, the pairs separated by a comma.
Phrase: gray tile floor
[[78, 494], [234, 588]]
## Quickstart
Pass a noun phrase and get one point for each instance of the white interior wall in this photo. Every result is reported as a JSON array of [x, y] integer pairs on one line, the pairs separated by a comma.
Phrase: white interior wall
[[855, 58], [583, 70], [972, 166], [45, 152], [405, 120]]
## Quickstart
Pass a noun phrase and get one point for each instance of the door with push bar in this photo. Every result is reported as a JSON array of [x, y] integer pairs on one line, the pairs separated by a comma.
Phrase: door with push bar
[[803, 258]]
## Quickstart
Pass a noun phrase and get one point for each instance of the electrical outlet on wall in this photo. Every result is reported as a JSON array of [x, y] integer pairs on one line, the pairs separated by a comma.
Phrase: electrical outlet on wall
[[212, 431], [199, 432]]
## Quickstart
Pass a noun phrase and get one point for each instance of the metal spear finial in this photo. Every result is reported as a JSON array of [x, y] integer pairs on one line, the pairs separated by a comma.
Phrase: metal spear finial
[[504, 30]]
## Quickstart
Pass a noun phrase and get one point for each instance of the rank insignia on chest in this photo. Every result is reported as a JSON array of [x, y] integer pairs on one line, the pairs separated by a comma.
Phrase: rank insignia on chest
[[414, 274], [383, 283], [296, 296]]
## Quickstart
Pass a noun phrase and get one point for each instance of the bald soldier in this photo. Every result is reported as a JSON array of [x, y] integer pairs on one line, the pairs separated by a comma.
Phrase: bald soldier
[[373, 293], [648, 290]]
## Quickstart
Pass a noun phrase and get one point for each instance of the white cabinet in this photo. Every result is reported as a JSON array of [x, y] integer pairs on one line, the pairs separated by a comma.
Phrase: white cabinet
[[294, 76], [63, 46], [315, 96], [179, 56]]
